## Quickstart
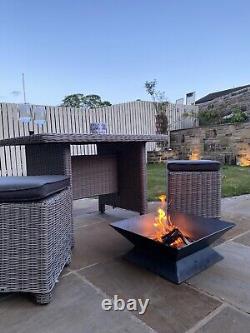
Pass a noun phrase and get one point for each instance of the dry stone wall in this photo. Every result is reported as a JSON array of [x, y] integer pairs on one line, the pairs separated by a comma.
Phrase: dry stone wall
[[228, 143]]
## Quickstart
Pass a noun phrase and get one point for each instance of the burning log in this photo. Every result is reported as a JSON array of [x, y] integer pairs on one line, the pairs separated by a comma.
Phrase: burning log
[[172, 237], [166, 232]]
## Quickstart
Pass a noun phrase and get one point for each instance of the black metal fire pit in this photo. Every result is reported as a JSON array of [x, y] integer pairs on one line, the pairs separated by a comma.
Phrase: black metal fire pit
[[174, 264]]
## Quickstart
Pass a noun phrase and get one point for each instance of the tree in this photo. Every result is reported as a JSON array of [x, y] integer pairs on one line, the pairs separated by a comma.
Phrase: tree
[[160, 102], [94, 101], [159, 97], [88, 101], [74, 100]]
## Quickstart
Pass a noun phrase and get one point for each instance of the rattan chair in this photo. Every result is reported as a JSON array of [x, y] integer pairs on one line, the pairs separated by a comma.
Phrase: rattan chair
[[194, 187], [35, 233]]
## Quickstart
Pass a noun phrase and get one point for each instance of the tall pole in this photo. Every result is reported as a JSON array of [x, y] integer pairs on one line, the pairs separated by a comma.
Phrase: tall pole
[[24, 94]]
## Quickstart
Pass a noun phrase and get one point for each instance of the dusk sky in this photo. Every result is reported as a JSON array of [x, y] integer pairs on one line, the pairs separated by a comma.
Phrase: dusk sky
[[111, 47]]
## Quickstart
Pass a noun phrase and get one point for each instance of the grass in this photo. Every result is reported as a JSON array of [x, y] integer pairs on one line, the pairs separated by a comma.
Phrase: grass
[[235, 180]]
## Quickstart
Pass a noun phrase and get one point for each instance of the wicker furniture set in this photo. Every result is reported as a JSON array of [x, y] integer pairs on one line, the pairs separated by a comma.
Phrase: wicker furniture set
[[36, 226]]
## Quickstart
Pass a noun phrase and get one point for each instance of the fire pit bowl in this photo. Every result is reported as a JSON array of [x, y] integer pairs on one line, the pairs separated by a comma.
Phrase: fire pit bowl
[[174, 264]]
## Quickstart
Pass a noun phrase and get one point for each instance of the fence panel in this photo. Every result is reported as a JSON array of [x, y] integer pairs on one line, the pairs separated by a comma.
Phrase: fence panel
[[126, 118], [182, 116]]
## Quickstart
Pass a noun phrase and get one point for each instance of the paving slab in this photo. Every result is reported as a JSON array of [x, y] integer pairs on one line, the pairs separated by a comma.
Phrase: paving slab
[[76, 308], [236, 205], [172, 308], [87, 205], [228, 320], [97, 243], [242, 225], [85, 212], [229, 278], [236, 209], [87, 219], [244, 239]]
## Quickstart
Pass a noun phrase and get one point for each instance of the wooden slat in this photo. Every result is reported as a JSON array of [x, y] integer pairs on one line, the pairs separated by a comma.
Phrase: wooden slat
[[3, 168], [125, 118], [6, 134]]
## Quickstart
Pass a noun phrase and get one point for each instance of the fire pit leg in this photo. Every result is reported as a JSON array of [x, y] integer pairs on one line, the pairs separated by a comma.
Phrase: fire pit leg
[[175, 271]]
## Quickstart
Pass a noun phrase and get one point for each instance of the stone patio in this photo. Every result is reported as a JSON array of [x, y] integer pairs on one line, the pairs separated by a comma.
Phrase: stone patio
[[217, 299]]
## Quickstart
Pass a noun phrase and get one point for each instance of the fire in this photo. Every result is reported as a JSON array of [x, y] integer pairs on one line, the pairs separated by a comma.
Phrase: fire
[[243, 156], [244, 161], [177, 243], [163, 198], [160, 222], [164, 226], [195, 154]]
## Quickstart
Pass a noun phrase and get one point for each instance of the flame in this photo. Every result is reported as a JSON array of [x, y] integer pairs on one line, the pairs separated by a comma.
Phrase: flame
[[244, 161], [162, 221], [160, 224], [243, 156], [163, 224], [163, 198], [195, 154]]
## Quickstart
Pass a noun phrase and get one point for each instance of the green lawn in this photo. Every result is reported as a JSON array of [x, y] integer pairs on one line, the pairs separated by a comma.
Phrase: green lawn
[[235, 180]]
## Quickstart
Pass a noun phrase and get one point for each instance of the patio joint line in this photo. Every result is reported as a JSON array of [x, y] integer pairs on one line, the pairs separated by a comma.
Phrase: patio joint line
[[206, 319], [85, 267], [235, 237], [221, 300], [102, 293], [244, 245]]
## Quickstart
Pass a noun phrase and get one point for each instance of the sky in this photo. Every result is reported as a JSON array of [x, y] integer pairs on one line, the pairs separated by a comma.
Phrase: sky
[[111, 47]]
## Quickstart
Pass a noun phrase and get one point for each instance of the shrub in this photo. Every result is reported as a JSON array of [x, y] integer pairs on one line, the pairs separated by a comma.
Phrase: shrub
[[238, 116], [213, 116], [209, 117]]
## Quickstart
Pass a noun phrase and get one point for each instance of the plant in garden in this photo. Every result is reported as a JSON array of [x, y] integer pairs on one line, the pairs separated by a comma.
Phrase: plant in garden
[[213, 116], [237, 115], [160, 102], [210, 117]]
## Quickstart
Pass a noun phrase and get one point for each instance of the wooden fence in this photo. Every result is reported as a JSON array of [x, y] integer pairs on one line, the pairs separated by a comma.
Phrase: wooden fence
[[127, 118], [182, 116]]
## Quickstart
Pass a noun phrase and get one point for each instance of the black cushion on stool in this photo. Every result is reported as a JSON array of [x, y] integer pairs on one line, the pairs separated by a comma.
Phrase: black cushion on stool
[[199, 165], [30, 188]]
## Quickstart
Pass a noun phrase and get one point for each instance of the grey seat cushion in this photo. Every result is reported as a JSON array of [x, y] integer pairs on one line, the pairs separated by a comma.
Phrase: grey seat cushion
[[200, 165], [30, 188]]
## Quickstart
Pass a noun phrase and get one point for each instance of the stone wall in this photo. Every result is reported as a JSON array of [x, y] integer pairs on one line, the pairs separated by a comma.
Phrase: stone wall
[[161, 156], [228, 143], [240, 98]]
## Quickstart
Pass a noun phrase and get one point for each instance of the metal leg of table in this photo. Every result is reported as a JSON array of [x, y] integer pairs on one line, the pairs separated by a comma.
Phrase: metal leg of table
[[101, 206]]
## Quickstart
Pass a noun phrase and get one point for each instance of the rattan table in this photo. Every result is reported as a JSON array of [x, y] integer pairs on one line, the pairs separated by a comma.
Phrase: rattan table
[[117, 174]]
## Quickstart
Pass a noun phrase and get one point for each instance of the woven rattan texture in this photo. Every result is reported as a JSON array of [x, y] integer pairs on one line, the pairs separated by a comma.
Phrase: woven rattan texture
[[132, 180], [49, 159], [81, 138], [94, 175], [197, 193], [35, 244]]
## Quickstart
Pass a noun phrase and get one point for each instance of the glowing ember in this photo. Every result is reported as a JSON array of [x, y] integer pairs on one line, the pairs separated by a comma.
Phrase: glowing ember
[[165, 231]]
